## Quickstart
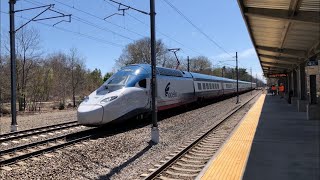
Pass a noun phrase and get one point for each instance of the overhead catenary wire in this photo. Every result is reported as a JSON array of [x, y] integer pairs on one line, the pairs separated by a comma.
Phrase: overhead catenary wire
[[75, 33], [97, 17], [79, 19], [163, 34], [196, 27], [101, 28]]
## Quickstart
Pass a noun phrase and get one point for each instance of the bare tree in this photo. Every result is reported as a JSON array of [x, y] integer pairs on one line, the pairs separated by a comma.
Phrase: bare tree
[[200, 64], [76, 66], [140, 52], [60, 75], [28, 53]]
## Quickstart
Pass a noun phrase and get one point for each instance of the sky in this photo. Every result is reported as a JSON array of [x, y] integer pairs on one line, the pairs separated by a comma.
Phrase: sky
[[100, 42]]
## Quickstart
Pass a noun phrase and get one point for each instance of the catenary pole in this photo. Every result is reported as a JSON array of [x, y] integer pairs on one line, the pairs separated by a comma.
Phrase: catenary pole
[[14, 125], [188, 64], [154, 129], [251, 76], [237, 71]]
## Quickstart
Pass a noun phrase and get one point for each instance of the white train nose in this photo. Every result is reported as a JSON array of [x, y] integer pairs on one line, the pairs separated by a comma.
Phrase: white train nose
[[90, 114]]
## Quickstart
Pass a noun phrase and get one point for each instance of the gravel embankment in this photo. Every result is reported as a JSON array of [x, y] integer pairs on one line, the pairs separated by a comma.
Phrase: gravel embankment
[[38, 120], [124, 155]]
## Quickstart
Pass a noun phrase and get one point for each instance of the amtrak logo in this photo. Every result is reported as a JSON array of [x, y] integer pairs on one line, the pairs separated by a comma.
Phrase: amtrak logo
[[168, 93]]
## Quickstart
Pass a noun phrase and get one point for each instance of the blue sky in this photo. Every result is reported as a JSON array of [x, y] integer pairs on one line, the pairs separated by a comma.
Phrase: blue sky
[[221, 20]]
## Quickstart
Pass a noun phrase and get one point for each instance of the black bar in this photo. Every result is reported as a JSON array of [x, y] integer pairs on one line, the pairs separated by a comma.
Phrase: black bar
[[153, 65], [50, 5], [237, 71], [188, 64], [131, 7], [13, 66]]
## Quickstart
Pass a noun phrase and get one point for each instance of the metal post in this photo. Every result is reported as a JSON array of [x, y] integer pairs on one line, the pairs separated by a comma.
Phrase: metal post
[[237, 71], [188, 64], [0, 66], [14, 125], [154, 130], [222, 71], [251, 79]]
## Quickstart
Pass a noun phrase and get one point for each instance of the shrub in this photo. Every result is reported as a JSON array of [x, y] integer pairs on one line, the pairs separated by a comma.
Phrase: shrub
[[61, 106], [4, 110], [69, 105]]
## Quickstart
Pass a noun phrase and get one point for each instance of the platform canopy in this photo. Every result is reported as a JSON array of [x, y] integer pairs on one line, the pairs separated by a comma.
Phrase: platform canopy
[[285, 33]]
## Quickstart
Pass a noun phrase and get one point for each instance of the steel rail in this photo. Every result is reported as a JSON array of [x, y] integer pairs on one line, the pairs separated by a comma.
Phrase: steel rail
[[75, 137], [171, 161], [35, 131]]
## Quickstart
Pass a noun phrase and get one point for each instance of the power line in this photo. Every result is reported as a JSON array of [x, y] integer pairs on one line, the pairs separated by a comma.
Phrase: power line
[[163, 34], [97, 17], [196, 27], [75, 33], [77, 18]]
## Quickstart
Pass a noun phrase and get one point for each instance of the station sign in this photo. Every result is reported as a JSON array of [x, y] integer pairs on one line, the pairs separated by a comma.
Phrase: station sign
[[313, 68], [312, 63], [277, 75]]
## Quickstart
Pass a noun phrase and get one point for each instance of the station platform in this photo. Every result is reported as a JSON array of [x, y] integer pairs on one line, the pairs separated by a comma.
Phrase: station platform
[[273, 141]]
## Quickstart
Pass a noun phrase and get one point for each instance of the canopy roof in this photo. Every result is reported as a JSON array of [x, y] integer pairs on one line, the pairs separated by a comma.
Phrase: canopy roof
[[285, 33]]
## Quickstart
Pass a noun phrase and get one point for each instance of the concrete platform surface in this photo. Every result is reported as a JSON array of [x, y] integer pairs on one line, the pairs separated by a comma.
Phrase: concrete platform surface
[[283, 144], [286, 145]]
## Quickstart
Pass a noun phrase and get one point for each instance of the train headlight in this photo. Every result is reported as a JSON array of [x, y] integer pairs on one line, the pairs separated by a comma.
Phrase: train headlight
[[108, 99]]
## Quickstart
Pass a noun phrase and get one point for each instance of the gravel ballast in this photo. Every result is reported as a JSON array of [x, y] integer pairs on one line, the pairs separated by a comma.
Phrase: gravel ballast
[[38, 120], [125, 155]]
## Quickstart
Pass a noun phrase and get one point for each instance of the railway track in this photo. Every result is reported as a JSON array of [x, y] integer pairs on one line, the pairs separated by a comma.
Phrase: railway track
[[12, 155], [32, 132], [188, 161]]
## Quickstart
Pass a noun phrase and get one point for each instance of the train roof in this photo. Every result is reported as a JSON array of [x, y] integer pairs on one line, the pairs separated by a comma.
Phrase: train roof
[[186, 74]]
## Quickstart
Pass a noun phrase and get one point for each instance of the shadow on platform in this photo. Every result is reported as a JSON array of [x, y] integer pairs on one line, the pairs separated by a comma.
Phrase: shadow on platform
[[286, 145]]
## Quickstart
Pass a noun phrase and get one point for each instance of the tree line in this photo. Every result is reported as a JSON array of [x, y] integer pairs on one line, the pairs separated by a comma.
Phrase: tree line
[[140, 50], [63, 76], [57, 76]]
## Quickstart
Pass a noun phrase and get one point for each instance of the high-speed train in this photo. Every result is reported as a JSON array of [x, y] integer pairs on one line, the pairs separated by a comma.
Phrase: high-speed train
[[127, 94]]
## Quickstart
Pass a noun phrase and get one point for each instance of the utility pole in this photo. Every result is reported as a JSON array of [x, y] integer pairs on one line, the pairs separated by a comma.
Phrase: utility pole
[[14, 125], [154, 130], [152, 14], [188, 64], [237, 71], [251, 78], [222, 71]]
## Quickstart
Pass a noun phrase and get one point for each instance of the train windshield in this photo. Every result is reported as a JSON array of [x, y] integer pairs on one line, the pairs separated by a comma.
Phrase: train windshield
[[126, 77]]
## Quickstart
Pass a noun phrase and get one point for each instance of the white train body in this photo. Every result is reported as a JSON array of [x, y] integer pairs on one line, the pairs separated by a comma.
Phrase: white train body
[[127, 93]]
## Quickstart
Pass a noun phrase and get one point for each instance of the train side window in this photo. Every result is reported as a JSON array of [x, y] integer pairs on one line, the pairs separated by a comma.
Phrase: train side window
[[204, 85], [210, 85], [199, 86], [143, 83]]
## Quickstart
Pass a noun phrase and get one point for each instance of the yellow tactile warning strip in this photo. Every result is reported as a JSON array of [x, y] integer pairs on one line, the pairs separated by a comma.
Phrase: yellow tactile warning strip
[[230, 162]]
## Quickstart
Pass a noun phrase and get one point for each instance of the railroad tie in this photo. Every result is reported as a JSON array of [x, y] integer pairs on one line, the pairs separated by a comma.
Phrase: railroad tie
[[181, 174], [185, 170], [190, 165]]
